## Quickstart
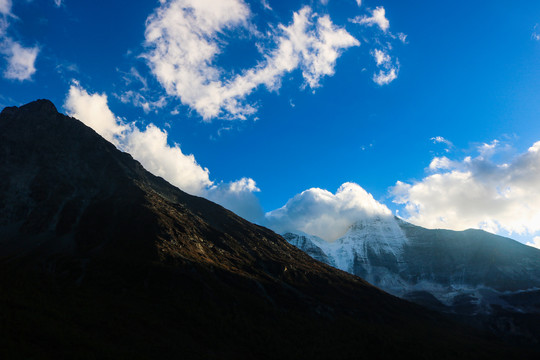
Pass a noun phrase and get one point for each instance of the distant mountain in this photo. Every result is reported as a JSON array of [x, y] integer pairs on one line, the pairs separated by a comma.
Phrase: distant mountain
[[402, 259], [468, 272], [101, 259]]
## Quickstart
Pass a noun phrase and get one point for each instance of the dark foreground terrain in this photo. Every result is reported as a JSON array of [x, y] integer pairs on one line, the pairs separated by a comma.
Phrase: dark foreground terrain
[[101, 259]]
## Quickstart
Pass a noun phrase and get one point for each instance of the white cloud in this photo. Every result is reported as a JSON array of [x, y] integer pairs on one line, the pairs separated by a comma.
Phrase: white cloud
[[378, 17], [477, 192], [440, 163], [5, 7], [139, 100], [319, 212], [183, 41], [92, 109], [389, 70], [239, 197], [266, 5], [150, 147], [385, 77], [3, 27], [58, 3], [535, 35], [381, 58], [535, 242], [402, 37], [20, 60], [359, 3], [441, 140]]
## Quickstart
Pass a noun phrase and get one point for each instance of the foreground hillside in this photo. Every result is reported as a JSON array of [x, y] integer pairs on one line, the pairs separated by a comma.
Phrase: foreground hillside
[[101, 259]]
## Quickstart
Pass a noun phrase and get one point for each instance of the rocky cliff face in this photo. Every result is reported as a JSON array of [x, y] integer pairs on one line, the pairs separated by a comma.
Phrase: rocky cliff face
[[99, 258], [468, 272]]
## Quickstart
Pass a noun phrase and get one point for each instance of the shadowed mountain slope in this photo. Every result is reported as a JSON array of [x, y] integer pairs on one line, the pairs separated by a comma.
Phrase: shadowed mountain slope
[[101, 259]]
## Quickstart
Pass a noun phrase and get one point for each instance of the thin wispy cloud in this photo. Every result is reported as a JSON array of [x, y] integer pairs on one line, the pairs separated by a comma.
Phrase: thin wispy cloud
[[5, 7], [535, 34], [388, 69], [20, 59], [441, 140], [266, 5]]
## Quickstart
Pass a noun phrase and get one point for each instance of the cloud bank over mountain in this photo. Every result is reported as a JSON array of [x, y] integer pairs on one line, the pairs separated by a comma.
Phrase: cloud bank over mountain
[[477, 192], [324, 214]]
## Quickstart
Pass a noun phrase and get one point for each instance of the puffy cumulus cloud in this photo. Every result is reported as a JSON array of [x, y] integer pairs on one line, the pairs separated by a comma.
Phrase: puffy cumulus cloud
[[477, 192], [535, 242], [92, 109], [378, 17], [150, 147], [184, 37], [440, 163], [20, 60], [319, 212]]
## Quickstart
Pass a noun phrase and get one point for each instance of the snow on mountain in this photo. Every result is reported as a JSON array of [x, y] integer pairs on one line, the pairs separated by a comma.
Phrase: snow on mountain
[[466, 272], [310, 244]]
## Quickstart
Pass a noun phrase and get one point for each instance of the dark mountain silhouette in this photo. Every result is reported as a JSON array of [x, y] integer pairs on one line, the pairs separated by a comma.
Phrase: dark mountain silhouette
[[101, 259]]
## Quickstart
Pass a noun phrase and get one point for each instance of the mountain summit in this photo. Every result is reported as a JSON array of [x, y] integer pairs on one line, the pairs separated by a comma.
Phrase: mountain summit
[[101, 259], [471, 273]]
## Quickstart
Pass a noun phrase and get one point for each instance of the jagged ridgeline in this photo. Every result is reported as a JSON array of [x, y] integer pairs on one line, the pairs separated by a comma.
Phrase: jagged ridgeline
[[485, 277], [101, 259]]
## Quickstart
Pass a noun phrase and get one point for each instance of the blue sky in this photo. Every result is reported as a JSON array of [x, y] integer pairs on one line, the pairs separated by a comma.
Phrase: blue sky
[[426, 109]]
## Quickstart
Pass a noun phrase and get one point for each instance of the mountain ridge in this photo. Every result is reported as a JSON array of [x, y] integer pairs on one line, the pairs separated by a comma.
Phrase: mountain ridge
[[481, 277], [102, 259]]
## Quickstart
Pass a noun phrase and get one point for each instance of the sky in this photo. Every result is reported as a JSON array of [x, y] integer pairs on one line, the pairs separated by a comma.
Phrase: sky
[[303, 115]]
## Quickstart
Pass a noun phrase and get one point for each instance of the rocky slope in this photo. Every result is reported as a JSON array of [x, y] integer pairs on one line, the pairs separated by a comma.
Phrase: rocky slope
[[101, 259], [472, 272], [404, 259]]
